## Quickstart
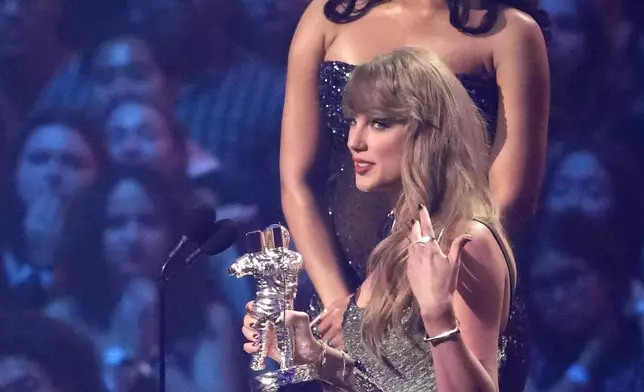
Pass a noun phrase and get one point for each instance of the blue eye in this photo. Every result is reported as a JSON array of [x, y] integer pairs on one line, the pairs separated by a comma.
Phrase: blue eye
[[380, 124]]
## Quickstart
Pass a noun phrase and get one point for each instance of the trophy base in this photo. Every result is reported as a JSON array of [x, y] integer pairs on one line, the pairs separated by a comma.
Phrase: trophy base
[[273, 381]]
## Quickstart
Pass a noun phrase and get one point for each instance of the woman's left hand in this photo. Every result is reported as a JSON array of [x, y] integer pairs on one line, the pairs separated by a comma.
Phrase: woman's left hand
[[433, 275]]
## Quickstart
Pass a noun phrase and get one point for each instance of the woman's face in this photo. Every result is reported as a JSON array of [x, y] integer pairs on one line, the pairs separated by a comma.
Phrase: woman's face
[[56, 162], [136, 235], [123, 67], [376, 147], [581, 183], [138, 134], [568, 295], [19, 374]]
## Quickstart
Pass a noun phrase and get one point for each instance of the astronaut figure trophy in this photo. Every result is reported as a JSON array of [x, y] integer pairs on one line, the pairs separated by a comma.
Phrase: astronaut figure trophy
[[276, 270]]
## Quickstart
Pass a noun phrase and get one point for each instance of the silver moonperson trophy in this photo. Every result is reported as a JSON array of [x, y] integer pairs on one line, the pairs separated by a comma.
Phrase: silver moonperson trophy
[[276, 270]]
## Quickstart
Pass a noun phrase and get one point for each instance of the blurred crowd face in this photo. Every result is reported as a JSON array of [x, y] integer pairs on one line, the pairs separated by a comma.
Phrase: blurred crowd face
[[25, 25], [138, 134], [569, 297], [135, 239], [56, 162], [123, 67], [580, 183], [173, 22], [18, 374], [274, 18], [569, 42]]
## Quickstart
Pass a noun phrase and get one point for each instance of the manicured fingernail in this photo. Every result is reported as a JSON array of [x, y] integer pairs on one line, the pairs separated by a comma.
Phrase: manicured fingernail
[[255, 343], [420, 207], [253, 325], [256, 336]]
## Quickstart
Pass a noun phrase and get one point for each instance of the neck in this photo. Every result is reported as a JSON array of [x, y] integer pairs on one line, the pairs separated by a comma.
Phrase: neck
[[393, 195]]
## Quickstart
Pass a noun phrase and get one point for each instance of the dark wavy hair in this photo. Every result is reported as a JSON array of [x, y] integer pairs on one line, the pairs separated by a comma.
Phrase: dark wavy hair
[[177, 129], [345, 11], [89, 279], [79, 122], [626, 182]]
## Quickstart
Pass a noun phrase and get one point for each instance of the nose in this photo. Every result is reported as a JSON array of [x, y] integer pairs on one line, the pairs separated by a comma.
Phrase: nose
[[133, 234], [559, 293], [357, 132], [129, 150], [121, 86], [54, 176], [132, 155]]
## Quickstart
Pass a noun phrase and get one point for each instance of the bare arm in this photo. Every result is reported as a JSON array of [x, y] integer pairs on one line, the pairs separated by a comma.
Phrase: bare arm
[[519, 150], [304, 156], [469, 362]]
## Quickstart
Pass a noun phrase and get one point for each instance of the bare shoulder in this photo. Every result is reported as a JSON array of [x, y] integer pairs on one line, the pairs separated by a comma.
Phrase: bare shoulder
[[314, 17], [517, 27], [483, 260], [314, 32]]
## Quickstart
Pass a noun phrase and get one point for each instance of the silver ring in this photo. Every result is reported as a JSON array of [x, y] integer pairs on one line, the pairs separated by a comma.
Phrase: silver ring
[[424, 240]]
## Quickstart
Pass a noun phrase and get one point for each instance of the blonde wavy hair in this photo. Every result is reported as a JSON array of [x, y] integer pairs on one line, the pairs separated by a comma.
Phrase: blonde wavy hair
[[445, 167]]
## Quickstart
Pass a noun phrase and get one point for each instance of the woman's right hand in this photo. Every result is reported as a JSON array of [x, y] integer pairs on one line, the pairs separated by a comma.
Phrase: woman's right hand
[[306, 349]]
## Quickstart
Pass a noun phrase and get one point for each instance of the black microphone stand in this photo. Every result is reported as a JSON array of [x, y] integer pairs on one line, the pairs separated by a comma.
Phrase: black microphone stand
[[162, 339]]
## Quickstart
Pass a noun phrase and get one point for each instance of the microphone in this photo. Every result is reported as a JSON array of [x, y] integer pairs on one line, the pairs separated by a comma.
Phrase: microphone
[[225, 235], [204, 231], [200, 224]]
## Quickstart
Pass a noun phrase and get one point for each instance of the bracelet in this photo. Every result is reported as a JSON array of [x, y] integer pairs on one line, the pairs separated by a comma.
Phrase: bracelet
[[445, 336], [344, 366], [577, 374], [321, 358]]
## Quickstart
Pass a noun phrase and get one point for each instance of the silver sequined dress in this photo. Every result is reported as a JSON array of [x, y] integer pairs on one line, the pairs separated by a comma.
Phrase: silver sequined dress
[[407, 361], [360, 221]]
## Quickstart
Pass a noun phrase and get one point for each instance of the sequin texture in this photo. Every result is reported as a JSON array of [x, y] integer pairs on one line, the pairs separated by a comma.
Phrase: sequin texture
[[358, 220], [408, 365], [357, 217]]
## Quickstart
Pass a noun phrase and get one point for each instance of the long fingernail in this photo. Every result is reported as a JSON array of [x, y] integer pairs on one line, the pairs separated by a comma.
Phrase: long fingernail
[[255, 343], [253, 325], [256, 336], [420, 207]]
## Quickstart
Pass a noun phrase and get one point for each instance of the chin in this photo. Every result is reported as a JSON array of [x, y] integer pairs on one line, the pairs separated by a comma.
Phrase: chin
[[363, 187]]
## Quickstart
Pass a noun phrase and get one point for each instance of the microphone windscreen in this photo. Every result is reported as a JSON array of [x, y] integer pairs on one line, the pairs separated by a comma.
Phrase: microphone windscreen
[[225, 234], [200, 223]]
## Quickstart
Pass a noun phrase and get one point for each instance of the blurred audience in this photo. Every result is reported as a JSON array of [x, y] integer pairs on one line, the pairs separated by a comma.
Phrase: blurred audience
[[176, 102], [125, 63], [579, 280], [41, 355], [109, 270], [140, 132], [37, 68], [269, 18], [57, 155], [601, 180]]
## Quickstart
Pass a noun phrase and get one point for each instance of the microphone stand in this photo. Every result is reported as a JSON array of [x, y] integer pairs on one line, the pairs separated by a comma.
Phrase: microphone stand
[[162, 333], [162, 287], [162, 338]]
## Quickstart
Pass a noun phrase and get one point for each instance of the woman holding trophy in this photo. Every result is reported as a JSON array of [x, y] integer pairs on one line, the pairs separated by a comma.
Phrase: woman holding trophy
[[437, 311]]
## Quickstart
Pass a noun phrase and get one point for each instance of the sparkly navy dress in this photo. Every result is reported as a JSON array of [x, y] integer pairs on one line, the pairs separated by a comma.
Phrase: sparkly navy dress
[[360, 220]]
